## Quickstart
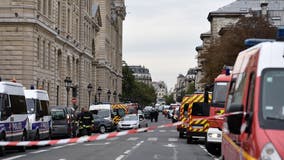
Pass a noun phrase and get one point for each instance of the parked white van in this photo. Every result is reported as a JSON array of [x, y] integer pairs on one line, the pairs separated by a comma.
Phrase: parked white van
[[13, 114], [40, 125]]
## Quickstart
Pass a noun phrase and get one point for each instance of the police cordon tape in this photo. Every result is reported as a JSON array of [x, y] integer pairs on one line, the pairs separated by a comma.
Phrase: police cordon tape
[[101, 136]]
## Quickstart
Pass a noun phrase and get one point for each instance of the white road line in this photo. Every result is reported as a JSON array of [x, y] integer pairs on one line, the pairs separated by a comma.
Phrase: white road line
[[174, 131], [15, 157], [127, 152], [162, 131], [96, 144], [133, 138], [40, 151], [120, 157], [152, 139], [151, 131], [62, 159], [172, 139]]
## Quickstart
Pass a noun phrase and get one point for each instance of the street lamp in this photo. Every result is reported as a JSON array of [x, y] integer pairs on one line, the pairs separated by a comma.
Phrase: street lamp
[[114, 95], [90, 87], [99, 90], [68, 83], [108, 95]]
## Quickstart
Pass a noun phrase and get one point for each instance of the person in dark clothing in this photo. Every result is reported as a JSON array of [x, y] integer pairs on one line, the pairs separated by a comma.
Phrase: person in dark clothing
[[86, 122], [152, 115], [156, 115]]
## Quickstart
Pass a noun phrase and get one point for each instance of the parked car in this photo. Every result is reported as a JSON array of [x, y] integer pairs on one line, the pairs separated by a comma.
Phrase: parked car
[[101, 124], [132, 121], [63, 121]]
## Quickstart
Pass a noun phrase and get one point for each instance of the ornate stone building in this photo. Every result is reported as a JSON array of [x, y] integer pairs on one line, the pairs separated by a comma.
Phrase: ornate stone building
[[141, 74], [109, 49], [230, 14], [44, 41]]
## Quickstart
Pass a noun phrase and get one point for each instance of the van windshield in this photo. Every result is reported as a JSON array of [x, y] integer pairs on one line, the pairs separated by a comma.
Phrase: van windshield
[[31, 106], [58, 114], [104, 113], [272, 103], [219, 93]]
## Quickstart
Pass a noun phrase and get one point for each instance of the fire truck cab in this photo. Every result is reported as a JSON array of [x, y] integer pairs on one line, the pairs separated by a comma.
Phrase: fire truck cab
[[214, 134], [255, 127]]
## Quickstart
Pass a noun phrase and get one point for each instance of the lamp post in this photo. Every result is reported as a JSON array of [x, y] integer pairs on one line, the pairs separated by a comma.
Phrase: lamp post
[[114, 95], [99, 90], [108, 95], [90, 87], [68, 83]]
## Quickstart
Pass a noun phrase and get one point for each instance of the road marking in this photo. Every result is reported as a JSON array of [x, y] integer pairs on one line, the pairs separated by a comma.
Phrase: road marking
[[152, 139], [133, 138], [96, 144], [62, 159], [150, 130], [172, 139], [170, 145], [127, 152], [174, 131], [120, 157], [40, 151], [162, 131], [15, 157]]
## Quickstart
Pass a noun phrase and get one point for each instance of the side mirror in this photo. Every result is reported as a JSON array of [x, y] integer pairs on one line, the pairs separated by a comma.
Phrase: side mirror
[[235, 121]]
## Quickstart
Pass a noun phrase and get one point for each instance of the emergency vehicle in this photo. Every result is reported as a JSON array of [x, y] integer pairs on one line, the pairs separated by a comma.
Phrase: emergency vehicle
[[256, 91], [104, 111], [197, 111], [132, 108], [214, 134], [119, 111], [40, 125], [13, 114]]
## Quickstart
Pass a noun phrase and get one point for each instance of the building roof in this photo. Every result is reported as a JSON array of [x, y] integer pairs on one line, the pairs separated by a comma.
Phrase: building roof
[[245, 6]]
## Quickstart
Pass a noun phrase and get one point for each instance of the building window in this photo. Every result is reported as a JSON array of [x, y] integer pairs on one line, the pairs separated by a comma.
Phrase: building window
[[49, 55], [49, 7], [77, 29], [276, 20], [38, 49], [58, 15], [39, 5], [68, 21], [44, 7], [43, 54]]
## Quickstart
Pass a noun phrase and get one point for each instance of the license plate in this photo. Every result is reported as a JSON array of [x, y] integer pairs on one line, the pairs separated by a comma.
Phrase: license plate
[[197, 127]]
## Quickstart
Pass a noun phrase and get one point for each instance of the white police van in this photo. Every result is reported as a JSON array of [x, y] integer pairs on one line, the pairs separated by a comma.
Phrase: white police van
[[13, 114], [40, 125]]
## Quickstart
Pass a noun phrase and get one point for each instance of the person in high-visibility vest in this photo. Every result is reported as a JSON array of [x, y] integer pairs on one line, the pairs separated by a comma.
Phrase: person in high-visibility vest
[[86, 122]]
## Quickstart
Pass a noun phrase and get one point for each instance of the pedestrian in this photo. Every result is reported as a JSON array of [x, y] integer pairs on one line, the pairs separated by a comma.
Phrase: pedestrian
[[156, 115], [152, 114]]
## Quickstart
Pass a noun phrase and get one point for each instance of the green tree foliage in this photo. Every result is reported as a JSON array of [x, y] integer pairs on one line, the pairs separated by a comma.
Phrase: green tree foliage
[[135, 91], [224, 50], [169, 99], [190, 88]]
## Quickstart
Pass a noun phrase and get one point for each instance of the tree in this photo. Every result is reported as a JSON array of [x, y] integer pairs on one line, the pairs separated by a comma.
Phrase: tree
[[224, 50], [190, 88], [169, 99], [135, 91]]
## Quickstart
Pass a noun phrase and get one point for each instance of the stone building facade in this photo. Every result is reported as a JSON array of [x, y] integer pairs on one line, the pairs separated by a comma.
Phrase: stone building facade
[[230, 14], [141, 74], [109, 49], [44, 41]]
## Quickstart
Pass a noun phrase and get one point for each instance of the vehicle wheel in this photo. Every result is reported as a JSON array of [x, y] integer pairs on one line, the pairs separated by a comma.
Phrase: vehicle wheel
[[139, 126], [146, 125], [102, 129], [189, 140], [2, 148], [24, 138], [180, 134]]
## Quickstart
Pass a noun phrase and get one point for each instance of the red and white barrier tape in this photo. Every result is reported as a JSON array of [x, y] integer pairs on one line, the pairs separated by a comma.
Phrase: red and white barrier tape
[[84, 138], [101, 136]]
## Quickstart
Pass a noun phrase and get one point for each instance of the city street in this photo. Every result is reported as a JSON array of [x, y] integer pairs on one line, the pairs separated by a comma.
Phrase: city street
[[162, 144]]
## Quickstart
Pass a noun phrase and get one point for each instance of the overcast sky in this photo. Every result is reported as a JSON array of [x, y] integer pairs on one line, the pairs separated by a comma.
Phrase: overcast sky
[[162, 35]]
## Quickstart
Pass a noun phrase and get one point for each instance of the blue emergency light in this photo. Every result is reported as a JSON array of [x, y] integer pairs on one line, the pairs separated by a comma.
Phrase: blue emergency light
[[254, 41]]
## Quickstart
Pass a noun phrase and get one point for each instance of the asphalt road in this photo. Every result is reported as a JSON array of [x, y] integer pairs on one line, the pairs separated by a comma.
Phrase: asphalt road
[[160, 144]]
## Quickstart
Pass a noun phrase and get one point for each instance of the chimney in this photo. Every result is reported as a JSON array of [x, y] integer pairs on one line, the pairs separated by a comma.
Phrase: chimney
[[264, 8]]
